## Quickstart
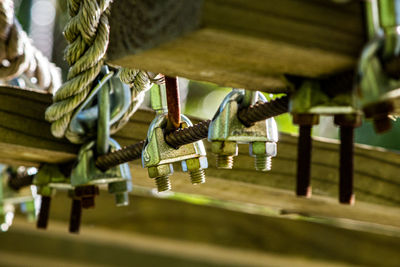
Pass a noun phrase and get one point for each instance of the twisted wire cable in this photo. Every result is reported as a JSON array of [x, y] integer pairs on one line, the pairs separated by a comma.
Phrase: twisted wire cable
[[264, 110], [191, 134], [188, 135], [123, 155], [19, 57]]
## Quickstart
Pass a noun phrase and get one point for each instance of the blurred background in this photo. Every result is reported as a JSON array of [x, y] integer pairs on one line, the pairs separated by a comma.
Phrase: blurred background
[[44, 20], [164, 229]]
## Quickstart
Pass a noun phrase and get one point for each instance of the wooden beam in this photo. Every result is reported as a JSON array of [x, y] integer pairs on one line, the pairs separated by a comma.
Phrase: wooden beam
[[229, 195], [25, 135], [25, 138], [237, 43], [160, 231]]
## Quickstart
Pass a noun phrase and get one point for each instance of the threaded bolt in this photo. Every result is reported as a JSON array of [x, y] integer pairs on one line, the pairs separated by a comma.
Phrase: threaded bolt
[[303, 186], [76, 214], [346, 193], [262, 163], [224, 162], [122, 199], [163, 183], [44, 212], [198, 177]]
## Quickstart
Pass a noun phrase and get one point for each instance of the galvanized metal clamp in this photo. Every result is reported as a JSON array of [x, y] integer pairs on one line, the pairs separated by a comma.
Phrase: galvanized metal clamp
[[158, 156], [226, 131], [378, 72]]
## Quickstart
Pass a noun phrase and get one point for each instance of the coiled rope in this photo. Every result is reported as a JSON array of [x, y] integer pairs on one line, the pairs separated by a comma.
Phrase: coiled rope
[[87, 34], [18, 56]]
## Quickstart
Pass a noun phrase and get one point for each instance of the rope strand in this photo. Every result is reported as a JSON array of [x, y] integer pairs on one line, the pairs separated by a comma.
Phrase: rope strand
[[18, 56], [88, 35]]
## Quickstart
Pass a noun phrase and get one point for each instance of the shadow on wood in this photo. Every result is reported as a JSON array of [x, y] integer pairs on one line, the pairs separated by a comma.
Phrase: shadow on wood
[[237, 43]]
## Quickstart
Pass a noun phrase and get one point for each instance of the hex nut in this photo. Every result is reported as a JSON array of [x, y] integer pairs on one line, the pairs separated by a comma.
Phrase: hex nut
[[160, 170], [263, 148], [305, 119], [227, 148], [118, 187], [258, 148], [195, 164], [352, 120]]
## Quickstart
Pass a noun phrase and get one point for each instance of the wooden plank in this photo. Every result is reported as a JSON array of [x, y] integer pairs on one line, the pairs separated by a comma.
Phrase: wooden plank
[[30, 142], [185, 232], [25, 135], [230, 195], [237, 43]]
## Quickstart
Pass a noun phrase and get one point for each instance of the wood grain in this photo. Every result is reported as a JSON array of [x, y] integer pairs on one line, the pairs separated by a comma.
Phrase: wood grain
[[159, 231], [237, 43], [25, 138], [241, 208]]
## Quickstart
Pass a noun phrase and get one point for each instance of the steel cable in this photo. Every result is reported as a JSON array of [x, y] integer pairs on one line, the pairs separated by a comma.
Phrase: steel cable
[[192, 134]]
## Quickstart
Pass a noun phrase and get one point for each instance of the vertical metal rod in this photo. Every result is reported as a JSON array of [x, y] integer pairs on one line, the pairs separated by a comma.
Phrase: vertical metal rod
[[389, 17], [173, 102], [158, 98], [389, 13], [248, 98], [103, 128], [44, 212], [346, 195], [303, 187], [75, 218], [372, 18]]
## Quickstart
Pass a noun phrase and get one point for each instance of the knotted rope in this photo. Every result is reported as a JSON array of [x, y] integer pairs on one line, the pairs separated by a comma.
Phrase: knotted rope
[[18, 56], [88, 35]]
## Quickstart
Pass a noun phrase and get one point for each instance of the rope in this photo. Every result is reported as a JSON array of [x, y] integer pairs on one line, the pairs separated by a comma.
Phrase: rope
[[139, 82], [88, 35], [18, 56]]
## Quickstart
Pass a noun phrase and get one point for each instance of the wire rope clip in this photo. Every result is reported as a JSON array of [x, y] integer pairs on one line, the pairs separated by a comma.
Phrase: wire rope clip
[[158, 156], [48, 179], [10, 198], [106, 104], [378, 77], [86, 173], [84, 121], [226, 131]]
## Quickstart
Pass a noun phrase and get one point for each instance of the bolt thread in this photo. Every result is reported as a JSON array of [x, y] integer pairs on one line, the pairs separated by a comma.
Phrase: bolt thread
[[263, 163], [198, 177], [44, 211], [75, 218], [264, 110], [303, 183], [163, 183], [346, 168], [224, 162], [122, 199]]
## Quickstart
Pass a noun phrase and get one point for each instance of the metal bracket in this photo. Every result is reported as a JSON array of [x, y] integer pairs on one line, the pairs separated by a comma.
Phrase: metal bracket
[[226, 131], [158, 156]]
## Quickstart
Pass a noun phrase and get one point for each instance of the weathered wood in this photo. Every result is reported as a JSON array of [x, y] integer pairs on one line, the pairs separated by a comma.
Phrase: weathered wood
[[237, 43], [159, 231], [242, 190], [25, 137]]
